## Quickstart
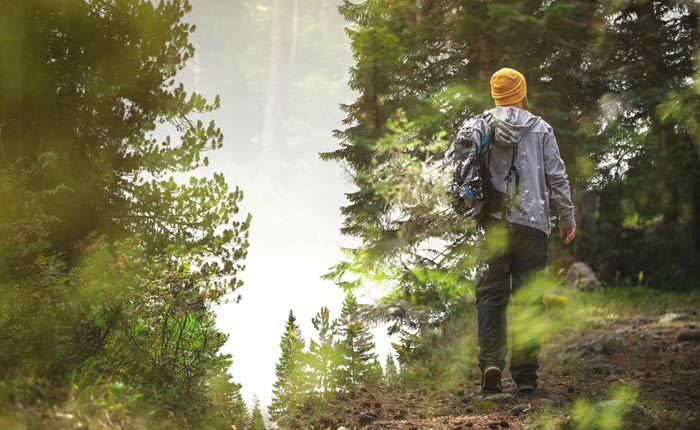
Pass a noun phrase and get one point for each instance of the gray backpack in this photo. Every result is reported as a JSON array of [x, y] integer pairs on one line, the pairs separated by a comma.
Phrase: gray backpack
[[471, 192]]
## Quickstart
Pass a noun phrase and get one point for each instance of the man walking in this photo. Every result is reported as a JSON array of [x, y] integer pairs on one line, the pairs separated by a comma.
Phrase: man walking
[[525, 168]]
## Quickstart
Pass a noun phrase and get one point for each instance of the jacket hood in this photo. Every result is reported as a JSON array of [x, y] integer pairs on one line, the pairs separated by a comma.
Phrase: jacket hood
[[512, 123]]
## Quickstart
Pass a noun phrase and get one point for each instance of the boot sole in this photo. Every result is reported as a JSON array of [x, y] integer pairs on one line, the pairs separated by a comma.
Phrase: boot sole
[[492, 381]]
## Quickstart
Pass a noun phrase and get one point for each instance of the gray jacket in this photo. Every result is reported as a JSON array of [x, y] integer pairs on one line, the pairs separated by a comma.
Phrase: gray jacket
[[540, 167]]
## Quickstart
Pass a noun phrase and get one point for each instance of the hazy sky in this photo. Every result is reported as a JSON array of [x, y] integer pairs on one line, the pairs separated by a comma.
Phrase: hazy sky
[[293, 196]]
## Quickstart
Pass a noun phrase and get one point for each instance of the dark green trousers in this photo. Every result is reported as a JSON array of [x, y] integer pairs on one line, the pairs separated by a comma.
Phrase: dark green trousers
[[521, 251]]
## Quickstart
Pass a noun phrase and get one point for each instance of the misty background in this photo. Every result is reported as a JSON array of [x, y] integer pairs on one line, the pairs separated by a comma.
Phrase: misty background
[[281, 69]]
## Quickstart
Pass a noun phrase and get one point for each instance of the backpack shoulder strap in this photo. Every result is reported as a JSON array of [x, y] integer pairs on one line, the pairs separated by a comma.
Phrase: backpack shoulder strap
[[485, 160]]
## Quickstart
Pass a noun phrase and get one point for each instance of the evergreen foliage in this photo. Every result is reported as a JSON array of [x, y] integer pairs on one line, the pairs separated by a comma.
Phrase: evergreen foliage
[[359, 366], [256, 419], [614, 79], [112, 253], [323, 353], [391, 374], [313, 386], [292, 379], [649, 168]]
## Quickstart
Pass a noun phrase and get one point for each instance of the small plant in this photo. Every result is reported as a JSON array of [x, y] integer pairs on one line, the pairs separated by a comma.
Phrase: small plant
[[622, 411]]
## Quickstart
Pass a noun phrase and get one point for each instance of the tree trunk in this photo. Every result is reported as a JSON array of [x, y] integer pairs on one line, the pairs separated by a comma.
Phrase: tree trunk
[[278, 72], [670, 186], [587, 237], [693, 174], [12, 104]]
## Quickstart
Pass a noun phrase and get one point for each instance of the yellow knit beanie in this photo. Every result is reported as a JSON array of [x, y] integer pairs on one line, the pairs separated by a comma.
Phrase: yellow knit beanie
[[508, 87]]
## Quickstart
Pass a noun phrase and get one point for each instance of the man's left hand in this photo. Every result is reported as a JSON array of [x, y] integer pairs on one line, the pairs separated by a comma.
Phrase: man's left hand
[[568, 233]]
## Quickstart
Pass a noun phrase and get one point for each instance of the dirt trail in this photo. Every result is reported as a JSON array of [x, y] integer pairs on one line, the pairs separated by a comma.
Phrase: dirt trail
[[657, 357]]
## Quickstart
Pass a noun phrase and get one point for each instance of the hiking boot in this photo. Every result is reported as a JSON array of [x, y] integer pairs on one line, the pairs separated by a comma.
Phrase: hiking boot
[[527, 386], [491, 381]]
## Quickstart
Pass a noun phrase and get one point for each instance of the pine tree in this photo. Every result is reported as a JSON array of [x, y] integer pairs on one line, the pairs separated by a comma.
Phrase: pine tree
[[650, 166], [422, 67], [133, 258], [292, 378], [228, 405], [391, 374], [323, 359], [256, 421], [358, 365]]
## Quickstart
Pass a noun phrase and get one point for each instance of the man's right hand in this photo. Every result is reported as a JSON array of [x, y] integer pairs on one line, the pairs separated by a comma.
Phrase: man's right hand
[[568, 233]]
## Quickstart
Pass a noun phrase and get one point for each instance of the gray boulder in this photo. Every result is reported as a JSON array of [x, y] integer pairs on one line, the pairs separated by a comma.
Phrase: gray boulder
[[582, 277]]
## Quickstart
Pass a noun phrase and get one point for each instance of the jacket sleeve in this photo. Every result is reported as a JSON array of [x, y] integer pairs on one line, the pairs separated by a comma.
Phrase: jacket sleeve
[[557, 181], [464, 145]]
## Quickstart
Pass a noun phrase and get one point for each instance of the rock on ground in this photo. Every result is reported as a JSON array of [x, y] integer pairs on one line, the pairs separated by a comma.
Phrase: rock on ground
[[581, 276], [519, 409], [603, 345], [673, 317], [498, 397]]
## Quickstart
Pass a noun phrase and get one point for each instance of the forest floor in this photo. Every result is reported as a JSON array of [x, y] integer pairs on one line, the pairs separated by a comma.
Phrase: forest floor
[[635, 367]]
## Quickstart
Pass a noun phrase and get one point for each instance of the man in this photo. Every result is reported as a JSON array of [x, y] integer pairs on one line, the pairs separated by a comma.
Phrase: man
[[526, 169]]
